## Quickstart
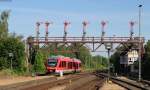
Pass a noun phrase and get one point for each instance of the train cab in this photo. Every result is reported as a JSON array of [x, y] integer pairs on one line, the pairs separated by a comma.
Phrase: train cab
[[51, 64]]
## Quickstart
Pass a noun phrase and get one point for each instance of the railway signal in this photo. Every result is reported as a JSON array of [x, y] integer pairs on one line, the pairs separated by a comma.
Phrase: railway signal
[[46, 32], [85, 23], [132, 23], [37, 32], [66, 23], [103, 24]]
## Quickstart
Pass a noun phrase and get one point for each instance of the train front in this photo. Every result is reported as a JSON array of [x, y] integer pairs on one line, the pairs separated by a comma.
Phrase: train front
[[51, 65]]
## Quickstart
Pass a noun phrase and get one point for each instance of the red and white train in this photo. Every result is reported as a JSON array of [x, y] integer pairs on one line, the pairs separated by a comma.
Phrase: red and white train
[[57, 64]]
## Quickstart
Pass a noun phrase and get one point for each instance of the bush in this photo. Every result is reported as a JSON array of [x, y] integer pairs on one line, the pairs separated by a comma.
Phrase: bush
[[7, 73], [39, 66], [15, 46]]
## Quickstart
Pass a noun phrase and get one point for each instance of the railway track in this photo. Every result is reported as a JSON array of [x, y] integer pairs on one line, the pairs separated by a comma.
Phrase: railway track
[[128, 84], [146, 82], [80, 81], [43, 84], [58, 82], [88, 83]]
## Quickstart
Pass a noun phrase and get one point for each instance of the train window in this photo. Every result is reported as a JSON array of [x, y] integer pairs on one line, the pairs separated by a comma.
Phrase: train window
[[75, 65], [63, 64], [69, 65], [60, 65], [52, 62]]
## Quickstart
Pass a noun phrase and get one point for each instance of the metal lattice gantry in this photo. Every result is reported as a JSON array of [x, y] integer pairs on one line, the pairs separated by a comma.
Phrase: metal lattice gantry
[[102, 40], [122, 40]]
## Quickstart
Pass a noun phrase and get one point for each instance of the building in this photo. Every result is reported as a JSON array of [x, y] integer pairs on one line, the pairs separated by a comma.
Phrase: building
[[129, 57], [127, 60]]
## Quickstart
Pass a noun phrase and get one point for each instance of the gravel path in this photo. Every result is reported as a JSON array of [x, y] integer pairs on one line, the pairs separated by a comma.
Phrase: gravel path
[[14, 80], [111, 86]]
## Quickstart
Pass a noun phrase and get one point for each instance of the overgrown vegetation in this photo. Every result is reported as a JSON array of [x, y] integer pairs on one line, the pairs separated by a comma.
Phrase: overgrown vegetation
[[115, 60], [4, 24], [39, 66], [146, 62], [10, 43]]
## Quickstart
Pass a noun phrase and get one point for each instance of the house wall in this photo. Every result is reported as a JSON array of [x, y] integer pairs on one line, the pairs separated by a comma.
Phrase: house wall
[[129, 58], [132, 56]]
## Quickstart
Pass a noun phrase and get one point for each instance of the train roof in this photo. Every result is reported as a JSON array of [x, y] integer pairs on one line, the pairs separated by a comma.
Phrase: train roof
[[77, 60], [55, 57], [60, 56]]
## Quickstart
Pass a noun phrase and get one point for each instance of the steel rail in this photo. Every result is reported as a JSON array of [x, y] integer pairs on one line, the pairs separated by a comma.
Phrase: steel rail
[[146, 82], [125, 83]]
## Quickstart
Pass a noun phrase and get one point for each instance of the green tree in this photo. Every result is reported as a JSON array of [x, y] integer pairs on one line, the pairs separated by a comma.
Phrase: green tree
[[115, 60], [99, 62], [39, 66], [15, 46], [10, 44], [4, 24], [82, 52], [146, 62]]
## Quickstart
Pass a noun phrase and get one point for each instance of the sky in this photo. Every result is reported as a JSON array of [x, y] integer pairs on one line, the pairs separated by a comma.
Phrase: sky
[[118, 13]]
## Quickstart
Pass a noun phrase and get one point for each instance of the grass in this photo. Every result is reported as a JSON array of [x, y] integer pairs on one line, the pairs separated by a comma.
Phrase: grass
[[7, 73]]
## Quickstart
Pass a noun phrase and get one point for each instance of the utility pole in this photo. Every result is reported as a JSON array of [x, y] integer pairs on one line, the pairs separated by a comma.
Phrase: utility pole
[[140, 6], [108, 46], [108, 65]]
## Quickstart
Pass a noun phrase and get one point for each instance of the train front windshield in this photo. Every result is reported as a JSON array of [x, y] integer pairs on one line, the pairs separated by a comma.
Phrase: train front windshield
[[52, 62]]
